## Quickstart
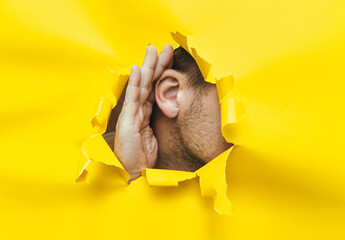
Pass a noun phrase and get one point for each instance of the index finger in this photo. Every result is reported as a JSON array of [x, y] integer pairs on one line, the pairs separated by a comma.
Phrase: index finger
[[165, 60], [147, 71]]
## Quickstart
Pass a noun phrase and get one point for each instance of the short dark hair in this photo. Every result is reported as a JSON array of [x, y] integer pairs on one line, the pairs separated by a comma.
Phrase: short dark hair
[[185, 63]]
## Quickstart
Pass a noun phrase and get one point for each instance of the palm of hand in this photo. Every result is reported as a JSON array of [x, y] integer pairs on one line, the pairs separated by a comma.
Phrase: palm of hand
[[135, 144]]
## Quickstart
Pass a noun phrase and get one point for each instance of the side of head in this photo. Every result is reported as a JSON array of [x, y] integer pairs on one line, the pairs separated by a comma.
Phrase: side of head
[[186, 117]]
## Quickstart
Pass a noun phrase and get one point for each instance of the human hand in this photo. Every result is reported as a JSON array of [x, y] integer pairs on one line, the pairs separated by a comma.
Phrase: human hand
[[135, 144]]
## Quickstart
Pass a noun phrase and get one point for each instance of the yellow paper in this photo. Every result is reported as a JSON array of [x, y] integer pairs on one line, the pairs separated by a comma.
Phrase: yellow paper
[[285, 176]]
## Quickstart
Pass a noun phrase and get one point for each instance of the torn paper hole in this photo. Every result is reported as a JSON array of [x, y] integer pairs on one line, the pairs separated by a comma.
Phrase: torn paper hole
[[211, 176]]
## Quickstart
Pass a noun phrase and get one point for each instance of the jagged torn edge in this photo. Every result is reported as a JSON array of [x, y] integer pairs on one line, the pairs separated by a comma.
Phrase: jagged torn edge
[[212, 180], [212, 175], [232, 110], [94, 148]]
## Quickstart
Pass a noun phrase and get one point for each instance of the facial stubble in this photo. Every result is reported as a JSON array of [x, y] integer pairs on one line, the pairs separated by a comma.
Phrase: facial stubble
[[189, 140]]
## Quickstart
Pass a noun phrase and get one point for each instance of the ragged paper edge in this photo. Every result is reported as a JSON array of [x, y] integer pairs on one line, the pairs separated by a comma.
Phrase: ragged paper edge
[[94, 148], [232, 110], [212, 180], [204, 66], [212, 177], [163, 177]]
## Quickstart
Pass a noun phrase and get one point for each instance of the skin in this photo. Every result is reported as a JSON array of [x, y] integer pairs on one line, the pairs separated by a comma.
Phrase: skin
[[165, 123]]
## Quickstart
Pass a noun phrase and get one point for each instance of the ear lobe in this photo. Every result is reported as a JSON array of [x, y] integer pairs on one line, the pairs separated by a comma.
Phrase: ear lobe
[[166, 93]]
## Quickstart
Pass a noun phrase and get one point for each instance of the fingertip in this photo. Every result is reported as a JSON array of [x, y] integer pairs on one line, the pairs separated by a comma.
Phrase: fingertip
[[169, 47], [134, 78], [134, 67], [152, 48], [168, 51]]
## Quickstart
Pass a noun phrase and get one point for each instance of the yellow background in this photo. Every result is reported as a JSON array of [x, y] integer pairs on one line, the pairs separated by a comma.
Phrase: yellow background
[[286, 178]]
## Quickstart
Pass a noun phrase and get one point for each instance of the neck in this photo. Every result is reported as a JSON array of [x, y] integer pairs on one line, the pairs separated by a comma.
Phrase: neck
[[174, 154]]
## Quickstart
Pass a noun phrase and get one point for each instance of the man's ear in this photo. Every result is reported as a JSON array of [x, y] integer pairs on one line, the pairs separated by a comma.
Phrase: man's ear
[[166, 92]]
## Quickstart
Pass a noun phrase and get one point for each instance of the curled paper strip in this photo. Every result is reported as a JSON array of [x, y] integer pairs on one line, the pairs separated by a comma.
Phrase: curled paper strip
[[231, 109], [203, 65], [211, 176], [101, 117], [212, 180], [116, 83]]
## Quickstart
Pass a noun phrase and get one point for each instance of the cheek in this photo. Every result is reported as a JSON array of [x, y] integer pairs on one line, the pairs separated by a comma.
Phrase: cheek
[[216, 120], [213, 124], [213, 109]]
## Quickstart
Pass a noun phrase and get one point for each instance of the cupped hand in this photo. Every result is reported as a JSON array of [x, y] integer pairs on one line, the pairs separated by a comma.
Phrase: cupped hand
[[135, 144]]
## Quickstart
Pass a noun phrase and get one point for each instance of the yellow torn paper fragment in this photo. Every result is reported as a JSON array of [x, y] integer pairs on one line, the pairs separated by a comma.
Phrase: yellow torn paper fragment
[[213, 182], [100, 119], [84, 161], [96, 149], [117, 82], [224, 86], [203, 65], [231, 109], [163, 177]]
